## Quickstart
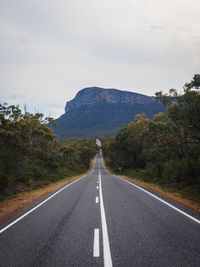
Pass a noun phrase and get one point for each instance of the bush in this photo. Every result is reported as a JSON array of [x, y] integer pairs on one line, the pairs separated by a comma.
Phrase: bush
[[30, 153], [4, 181], [183, 171], [150, 173]]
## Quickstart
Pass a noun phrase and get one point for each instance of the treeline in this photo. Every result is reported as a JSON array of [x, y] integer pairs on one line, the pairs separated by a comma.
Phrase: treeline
[[30, 155], [165, 149]]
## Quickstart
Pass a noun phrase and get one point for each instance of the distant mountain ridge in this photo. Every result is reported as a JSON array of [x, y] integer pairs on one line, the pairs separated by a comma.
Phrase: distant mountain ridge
[[93, 95], [95, 112]]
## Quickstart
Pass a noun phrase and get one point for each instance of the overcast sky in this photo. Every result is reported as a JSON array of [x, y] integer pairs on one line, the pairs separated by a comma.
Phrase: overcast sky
[[50, 49]]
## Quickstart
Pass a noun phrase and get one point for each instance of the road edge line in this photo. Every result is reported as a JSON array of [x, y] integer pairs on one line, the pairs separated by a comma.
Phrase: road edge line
[[42, 203], [154, 196]]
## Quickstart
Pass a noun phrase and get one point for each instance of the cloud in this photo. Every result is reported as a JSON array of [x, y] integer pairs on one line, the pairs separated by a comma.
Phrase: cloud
[[48, 51]]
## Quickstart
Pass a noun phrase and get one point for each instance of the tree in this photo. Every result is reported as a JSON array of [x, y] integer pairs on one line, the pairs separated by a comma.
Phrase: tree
[[194, 84], [166, 147], [30, 152]]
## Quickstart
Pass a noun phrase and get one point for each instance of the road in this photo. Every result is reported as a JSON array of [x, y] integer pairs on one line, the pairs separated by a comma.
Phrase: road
[[101, 220]]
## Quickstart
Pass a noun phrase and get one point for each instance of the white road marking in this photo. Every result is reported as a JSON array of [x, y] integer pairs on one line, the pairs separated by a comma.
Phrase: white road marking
[[98, 142], [96, 252], [43, 202], [158, 198], [163, 201], [97, 200], [97, 187], [106, 245]]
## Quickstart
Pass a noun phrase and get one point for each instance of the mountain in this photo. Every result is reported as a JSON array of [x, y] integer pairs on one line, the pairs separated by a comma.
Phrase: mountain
[[95, 112]]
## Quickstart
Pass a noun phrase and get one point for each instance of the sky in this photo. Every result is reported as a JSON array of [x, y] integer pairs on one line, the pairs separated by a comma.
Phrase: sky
[[50, 49]]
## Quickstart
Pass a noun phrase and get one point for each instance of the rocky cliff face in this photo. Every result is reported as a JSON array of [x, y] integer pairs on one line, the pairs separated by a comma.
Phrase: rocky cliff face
[[93, 95], [96, 112]]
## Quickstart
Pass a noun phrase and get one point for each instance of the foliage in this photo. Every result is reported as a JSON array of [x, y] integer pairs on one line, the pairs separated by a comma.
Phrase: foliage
[[30, 153], [166, 148]]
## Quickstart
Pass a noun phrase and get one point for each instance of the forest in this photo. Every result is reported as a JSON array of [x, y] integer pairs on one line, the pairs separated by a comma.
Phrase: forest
[[165, 149], [30, 154]]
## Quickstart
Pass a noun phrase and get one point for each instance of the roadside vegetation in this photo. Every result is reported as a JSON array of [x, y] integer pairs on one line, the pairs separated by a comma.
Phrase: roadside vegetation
[[165, 149], [30, 155]]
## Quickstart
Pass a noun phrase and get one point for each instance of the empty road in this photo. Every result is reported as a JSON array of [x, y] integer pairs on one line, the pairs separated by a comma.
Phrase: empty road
[[101, 220]]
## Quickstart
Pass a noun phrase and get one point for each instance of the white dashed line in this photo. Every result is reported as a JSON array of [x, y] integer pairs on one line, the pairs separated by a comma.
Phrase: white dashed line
[[96, 243]]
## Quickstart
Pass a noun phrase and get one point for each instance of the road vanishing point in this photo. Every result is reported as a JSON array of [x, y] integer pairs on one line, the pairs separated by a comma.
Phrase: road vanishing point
[[101, 220]]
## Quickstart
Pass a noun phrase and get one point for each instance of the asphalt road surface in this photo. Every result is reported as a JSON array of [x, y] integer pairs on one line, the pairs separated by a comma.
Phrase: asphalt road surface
[[101, 220]]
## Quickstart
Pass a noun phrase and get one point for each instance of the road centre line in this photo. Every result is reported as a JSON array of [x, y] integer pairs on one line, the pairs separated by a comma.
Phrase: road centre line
[[97, 200], [43, 202], [96, 252], [97, 187], [106, 245], [154, 196]]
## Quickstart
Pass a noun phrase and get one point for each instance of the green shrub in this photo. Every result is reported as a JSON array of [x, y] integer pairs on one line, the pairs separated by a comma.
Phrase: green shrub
[[150, 173]]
